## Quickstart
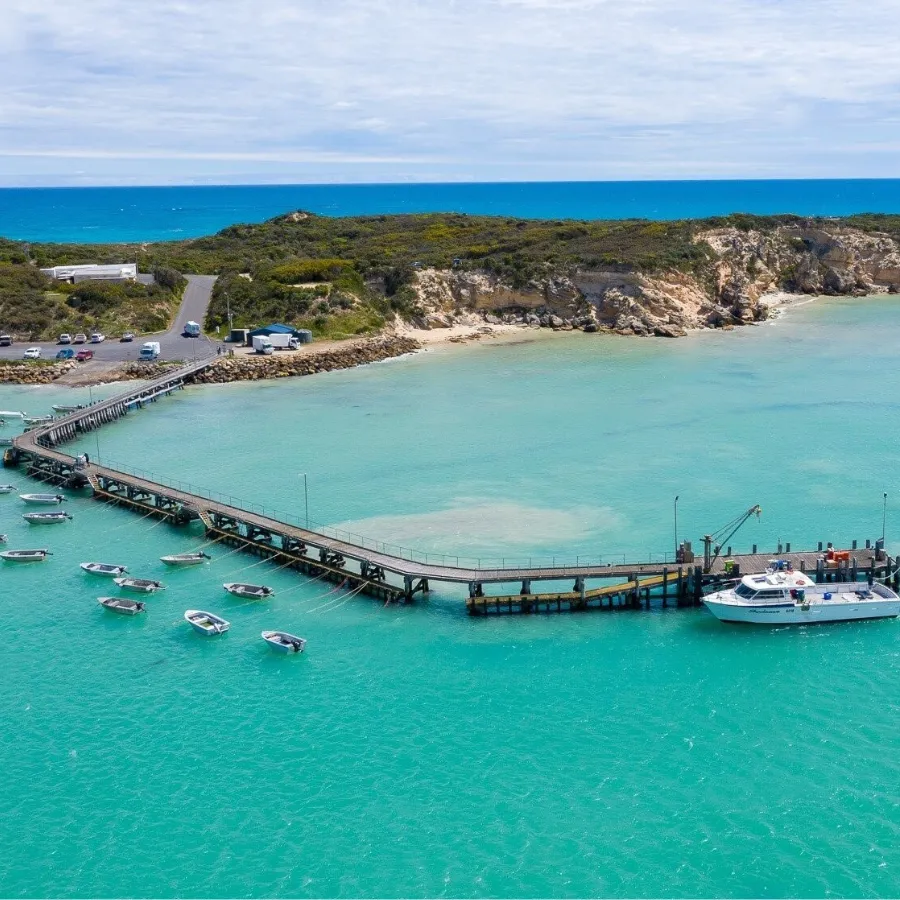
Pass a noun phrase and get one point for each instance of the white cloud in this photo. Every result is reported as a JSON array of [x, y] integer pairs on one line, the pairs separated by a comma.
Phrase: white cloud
[[370, 89]]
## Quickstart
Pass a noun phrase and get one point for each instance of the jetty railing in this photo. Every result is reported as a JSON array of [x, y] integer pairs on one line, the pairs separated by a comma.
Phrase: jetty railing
[[561, 560]]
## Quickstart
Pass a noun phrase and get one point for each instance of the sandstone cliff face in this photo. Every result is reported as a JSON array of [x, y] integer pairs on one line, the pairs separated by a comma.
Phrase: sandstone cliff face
[[729, 290]]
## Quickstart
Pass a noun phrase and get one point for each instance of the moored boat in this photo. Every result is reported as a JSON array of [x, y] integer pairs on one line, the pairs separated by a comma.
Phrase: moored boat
[[47, 518], [64, 408], [284, 642], [7, 488], [24, 555], [11, 414], [250, 591], [122, 605], [37, 420], [206, 622], [2, 538], [184, 559], [106, 569], [140, 585], [6, 442], [780, 596], [42, 498]]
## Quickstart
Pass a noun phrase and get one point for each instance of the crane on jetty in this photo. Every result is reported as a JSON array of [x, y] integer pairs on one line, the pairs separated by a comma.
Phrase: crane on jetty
[[713, 543]]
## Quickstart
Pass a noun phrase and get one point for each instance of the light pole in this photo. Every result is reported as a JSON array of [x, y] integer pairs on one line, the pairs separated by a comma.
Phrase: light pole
[[883, 517], [676, 527], [306, 499]]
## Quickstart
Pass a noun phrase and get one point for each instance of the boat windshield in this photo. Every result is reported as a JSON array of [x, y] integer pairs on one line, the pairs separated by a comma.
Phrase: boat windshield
[[743, 591]]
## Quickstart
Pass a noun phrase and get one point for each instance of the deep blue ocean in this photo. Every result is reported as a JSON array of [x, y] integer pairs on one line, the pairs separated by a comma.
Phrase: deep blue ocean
[[171, 213]]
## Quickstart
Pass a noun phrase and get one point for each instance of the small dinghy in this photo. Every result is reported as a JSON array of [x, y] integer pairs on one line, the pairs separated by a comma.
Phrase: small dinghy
[[37, 420], [62, 408], [250, 591], [206, 622], [184, 559], [122, 605], [7, 488], [140, 585], [11, 414], [42, 498], [52, 518], [284, 642], [106, 569], [6, 442], [2, 538], [25, 555]]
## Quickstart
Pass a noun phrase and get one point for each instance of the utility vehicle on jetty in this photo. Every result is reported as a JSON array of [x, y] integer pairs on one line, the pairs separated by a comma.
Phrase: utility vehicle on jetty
[[781, 596]]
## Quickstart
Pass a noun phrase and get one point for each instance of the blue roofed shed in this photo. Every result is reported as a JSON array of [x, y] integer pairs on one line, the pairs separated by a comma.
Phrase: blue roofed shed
[[275, 328]]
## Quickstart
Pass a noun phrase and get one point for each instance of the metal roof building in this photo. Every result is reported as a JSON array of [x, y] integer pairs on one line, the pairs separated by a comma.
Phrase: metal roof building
[[74, 274]]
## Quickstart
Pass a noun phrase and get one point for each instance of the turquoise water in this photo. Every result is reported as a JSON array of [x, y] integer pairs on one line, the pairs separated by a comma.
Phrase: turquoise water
[[413, 751], [172, 213]]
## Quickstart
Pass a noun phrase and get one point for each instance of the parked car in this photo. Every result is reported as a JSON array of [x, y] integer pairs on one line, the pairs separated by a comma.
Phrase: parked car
[[127, 338], [65, 339], [5, 340], [66, 353], [97, 338], [32, 353], [80, 338], [84, 355]]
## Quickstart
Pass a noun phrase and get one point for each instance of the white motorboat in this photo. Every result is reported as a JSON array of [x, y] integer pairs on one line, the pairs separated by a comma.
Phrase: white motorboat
[[63, 408], [250, 591], [2, 538], [284, 642], [6, 442], [7, 488], [122, 605], [206, 622], [11, 414], [24, 555], [780, 596], [49, 518], [42, 498], [37, 420], [184, 559], [105, 569], [140, 585]]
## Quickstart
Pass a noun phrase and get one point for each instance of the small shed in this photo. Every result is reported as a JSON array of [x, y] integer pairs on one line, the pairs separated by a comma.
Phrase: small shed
[[238, 335], [269, 330]]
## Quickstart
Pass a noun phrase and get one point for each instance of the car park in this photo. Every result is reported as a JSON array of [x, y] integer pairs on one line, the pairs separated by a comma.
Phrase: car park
[[32, 353], [80, 338], [66, 353], [65, 339], [84, 355], [127, 338]]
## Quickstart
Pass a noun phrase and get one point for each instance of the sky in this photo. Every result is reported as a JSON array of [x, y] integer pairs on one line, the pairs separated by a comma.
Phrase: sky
[[308, 91]]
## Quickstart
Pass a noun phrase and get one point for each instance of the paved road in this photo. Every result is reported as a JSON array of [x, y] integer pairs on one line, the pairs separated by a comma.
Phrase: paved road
[[196, 299]]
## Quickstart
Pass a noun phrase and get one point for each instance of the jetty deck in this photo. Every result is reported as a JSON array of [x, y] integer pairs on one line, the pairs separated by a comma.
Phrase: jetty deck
[[371, 566]]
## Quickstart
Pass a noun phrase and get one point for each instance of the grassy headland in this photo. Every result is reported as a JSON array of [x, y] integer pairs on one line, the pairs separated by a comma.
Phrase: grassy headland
[[348, 276]]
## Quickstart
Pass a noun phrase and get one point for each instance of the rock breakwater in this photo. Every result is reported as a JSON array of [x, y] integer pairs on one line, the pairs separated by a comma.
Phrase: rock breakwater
[[30, 373], [287, 365]]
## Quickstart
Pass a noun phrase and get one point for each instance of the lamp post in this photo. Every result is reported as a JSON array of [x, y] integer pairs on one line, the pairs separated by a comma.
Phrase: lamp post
[[676, 526], [883, 517], [306, 499]]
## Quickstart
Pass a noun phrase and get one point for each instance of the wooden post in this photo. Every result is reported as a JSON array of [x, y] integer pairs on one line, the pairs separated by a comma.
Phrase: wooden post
[[854, 570], [665, 595], [820, 568], [680, 583]]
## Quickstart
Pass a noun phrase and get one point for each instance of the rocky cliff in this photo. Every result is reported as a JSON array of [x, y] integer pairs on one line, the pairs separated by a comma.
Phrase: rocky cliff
[[729, 288]]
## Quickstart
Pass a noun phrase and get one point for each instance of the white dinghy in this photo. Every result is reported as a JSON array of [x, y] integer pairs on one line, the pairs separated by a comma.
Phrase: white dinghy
[[37, 420], [122, 605], [24, 555], [11, 414], [206, 622], [284, 642], [49, 518], [184, 559], [106, 569], [7, 488], [42, 498], [64, 408], [140, 585], [249, 591]]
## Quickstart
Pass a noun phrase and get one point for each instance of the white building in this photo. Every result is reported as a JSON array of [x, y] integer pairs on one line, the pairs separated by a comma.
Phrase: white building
[[74, 274]]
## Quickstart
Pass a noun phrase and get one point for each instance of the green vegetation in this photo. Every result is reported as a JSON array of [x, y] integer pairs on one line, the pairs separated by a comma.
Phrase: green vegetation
[[34, 307], [346, 275]]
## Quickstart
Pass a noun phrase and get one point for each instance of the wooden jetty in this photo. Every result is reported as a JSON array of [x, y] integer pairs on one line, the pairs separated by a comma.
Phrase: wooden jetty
[[369, 566]]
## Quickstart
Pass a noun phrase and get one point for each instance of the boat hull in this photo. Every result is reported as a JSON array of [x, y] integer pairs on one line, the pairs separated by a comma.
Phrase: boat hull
[[804, 614], [41, 520], [128, 610], [271, 638], [109, 572], [206, 623], [173, 561], [149, 587], [42, 498], [8, 556]]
